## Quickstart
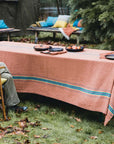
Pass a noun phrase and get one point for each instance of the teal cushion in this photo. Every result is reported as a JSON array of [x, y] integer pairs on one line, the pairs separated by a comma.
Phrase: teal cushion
[[51, 21], [43, 24], [3, 25], [75, 24], [80, 28]]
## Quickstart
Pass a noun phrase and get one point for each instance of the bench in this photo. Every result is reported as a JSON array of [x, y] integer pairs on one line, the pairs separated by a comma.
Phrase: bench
[[37, 30], [8, 31]]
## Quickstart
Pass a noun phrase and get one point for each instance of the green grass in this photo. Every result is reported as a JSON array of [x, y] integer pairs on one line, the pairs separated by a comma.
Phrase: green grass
[[57, 124]]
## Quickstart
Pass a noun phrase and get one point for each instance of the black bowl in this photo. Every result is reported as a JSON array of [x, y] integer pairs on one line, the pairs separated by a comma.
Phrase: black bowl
[[110, 56], [55, 49], [75, 50]]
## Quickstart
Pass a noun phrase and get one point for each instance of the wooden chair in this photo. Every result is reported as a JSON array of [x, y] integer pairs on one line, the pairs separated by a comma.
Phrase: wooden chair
[[2, 82]]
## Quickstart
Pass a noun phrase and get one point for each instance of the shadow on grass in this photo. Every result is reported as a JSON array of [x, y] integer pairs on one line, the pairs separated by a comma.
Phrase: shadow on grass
[[63, 106]]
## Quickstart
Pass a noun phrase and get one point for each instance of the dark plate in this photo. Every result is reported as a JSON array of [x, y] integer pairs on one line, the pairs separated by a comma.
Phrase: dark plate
[[110, 56], [41, 48], [55, 49], [75, 50]]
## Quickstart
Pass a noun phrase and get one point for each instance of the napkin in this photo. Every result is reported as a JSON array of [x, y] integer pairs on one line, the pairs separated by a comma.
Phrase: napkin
[[53, 53]]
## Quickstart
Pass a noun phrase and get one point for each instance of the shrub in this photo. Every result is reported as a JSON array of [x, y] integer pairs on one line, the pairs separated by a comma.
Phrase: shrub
[[98, 20]]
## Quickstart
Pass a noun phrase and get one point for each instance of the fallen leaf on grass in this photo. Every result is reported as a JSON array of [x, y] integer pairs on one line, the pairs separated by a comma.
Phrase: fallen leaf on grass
[[52, 113], [85, 140], [100, 132], [37, 106], [45, 136], [72, 126], [78, 130], [45, 129], [93, 137], [35, 109], [22, 124], [34, 124], [78, 119], [36, 136], [25, 119], [5, 128], [26, 142]]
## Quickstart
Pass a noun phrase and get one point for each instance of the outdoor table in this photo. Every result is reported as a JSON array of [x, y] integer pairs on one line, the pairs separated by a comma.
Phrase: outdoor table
[[78, 78]]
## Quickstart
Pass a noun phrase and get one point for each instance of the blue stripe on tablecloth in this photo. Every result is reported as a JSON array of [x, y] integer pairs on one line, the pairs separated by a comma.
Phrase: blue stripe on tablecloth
[[98, 93], [111, 109]]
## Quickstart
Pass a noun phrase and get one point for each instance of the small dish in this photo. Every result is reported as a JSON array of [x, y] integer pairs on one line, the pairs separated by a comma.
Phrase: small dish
[[51, 49], [110, 56], [75, 48], [41, 47]]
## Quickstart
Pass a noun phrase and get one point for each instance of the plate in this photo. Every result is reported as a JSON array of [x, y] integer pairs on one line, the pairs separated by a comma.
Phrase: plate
[[110, 56], [41, 47], [75, 48], [55, 49]]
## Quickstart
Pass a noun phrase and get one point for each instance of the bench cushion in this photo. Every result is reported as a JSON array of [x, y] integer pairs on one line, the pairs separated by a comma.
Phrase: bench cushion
[[51, 21], [3, 25], [77, 23], [62, 21]]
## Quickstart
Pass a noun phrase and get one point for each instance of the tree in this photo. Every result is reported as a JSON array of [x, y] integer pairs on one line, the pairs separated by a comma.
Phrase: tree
[[60, 5], [98, 20]]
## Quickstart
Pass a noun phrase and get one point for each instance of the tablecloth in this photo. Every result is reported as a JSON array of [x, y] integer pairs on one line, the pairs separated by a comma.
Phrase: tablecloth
[[78, 78]]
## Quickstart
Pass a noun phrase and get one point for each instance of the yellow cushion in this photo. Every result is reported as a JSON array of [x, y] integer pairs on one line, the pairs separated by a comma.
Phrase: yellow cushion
[[60, 24], [33, 25], [3, 80], [62, 21]]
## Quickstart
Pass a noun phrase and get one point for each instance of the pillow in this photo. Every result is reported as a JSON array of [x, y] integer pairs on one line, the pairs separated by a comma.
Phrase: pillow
[[62, 21], [80, 28], [38, 23], [33, 25], [77, 23], [51, 21], [43, 24], [80, 23], [3, 25]]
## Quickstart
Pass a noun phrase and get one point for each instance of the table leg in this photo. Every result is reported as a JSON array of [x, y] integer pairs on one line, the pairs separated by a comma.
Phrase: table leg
[[36, 37], [8, 36], [54, 35], [78, 39]]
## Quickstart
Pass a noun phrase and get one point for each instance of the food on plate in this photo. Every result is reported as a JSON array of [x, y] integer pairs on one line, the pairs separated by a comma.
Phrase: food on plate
[[69, 47], [74, 47]]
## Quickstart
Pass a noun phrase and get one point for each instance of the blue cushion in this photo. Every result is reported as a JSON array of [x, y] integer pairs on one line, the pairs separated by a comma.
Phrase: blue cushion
[[80, 28], [3, 25], [43, 24], [51, 20], [75, 24]]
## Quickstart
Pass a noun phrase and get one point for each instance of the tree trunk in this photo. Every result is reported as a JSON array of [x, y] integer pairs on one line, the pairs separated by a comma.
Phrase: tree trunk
[[58, 9]]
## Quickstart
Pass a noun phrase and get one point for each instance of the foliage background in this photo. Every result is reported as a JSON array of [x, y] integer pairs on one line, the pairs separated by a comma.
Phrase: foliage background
[[98, 20]]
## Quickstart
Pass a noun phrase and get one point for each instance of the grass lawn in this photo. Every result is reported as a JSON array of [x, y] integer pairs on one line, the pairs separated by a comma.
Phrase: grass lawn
[[49, 121]]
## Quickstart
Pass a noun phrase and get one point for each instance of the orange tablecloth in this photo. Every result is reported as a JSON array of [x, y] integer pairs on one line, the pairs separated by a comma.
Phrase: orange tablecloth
[[79, 78]]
